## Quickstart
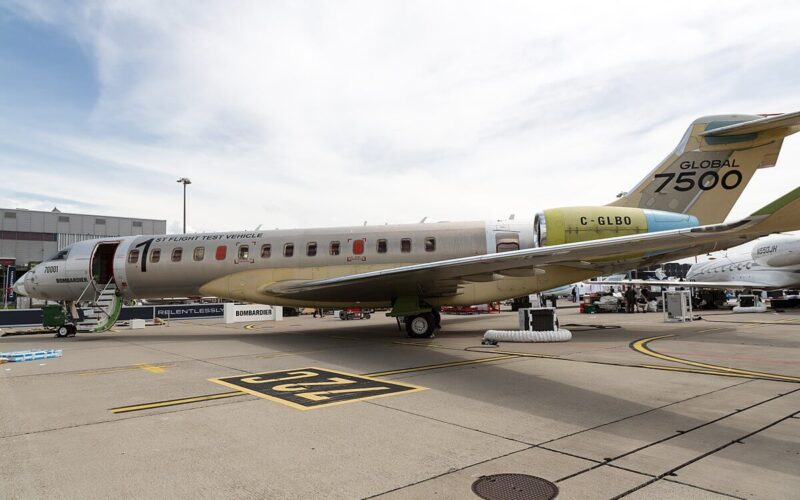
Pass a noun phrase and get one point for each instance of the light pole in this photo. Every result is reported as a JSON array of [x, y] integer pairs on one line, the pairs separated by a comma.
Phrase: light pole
[[184, 181]]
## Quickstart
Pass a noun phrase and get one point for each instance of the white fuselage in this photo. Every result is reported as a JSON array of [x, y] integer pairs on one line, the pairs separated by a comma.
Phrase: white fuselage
[[183, 265], [774, 263]]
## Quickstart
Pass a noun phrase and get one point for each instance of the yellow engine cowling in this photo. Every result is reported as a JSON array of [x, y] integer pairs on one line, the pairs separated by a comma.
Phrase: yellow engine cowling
[[573, 224]]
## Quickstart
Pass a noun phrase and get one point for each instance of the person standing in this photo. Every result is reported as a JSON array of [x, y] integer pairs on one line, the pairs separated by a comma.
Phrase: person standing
[[575, 293], [630, 299]]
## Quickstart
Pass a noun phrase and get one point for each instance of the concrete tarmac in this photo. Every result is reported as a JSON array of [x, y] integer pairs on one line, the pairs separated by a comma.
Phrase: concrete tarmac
[[632, 407]]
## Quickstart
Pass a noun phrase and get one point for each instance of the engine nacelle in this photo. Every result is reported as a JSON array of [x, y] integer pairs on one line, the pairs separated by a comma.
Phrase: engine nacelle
[[777, 252], [557, 226]]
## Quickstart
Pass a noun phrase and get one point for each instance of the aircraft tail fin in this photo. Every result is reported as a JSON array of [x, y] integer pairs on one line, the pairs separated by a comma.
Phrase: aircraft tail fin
[[714, 162]]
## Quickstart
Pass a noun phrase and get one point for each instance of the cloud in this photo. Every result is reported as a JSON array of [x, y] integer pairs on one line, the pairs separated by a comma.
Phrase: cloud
[[312, 114]]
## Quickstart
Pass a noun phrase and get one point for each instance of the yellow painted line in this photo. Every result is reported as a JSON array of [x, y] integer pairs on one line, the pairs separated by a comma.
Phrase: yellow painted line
[[522, 354], [103, 371], [417, 344], [697, 370], [441, 365], [641, 346], [173, 402], [152, 368]]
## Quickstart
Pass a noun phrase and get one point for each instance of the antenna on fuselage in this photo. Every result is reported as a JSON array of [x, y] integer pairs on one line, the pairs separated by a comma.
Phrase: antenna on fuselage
[[511, 217], [423, 220], [257, 227]]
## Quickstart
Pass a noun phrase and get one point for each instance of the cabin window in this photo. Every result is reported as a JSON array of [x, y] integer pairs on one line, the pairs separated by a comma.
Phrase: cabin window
[[311, 249], [382, 246], [155, 255], [288, 250], [335, 248], [133, 257], [405, 245], [430, 244], [358, 247], [266, 251], [244, 252], [199, 253], [177, 254], [222, 252]]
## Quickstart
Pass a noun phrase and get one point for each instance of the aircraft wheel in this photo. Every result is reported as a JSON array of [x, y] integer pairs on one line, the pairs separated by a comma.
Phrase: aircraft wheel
[[72, 330], [342, 315], [367, 316], [421, 326], [62, 331]]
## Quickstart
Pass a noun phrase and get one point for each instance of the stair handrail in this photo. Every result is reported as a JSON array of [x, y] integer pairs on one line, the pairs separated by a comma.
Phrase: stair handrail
[[101, 293], [89, 284]]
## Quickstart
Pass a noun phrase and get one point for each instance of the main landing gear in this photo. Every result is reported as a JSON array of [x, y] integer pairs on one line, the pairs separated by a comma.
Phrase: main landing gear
[[423, 325]]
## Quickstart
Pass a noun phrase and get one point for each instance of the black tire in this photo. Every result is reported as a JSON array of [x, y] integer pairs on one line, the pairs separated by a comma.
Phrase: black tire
[[420, 326], [367, 316], [62, 331], [342, 315]]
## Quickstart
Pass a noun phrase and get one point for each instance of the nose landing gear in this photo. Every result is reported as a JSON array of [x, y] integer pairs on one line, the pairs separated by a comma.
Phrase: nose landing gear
[[66, 331]]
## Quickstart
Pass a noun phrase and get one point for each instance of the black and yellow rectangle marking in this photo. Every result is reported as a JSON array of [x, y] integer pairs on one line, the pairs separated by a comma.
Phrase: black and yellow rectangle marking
[[309, 388]]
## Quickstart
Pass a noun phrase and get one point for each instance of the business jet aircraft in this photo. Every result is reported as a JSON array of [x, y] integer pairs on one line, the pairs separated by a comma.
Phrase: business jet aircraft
[[773, 264], [417, 268]]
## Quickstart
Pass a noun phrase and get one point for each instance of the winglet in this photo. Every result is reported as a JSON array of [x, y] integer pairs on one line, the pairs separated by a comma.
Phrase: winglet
[[781, 215], [781, 202]]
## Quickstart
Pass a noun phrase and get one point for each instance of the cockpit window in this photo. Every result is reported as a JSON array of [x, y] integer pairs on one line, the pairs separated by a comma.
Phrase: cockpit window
[[62, 255]]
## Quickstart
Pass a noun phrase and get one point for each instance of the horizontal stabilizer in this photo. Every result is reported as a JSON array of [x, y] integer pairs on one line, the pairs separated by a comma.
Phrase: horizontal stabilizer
[[756, 126]]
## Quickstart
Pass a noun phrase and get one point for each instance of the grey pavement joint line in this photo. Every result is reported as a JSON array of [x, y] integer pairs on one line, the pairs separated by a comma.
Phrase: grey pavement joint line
[[704, 455], [677, 434], [532, 446]]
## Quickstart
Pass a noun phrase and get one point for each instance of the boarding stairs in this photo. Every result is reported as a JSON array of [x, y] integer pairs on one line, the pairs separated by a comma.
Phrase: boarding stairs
[[102, 312]]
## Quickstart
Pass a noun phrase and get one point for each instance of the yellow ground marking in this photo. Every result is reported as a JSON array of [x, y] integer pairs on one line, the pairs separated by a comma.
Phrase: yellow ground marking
[[173, 402], [697, 370], [417, 344], [152, 368], [411, 388], [521, 354], [102, 371], [441, 365], [641, 346], [239, 392], [253, 326]]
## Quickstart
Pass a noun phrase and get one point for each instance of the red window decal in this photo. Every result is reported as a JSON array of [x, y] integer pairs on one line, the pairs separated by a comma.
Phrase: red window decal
[[358, 247], [222, 251]]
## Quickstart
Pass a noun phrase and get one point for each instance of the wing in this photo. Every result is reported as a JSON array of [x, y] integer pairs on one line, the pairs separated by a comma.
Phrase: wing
[[593, 258], [722, 285]]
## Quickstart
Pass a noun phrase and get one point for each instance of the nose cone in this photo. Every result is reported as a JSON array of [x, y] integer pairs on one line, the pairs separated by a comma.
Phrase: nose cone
[[19, 286]]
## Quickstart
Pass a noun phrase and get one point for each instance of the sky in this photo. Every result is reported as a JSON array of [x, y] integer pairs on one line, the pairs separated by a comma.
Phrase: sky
[[308, 114]]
